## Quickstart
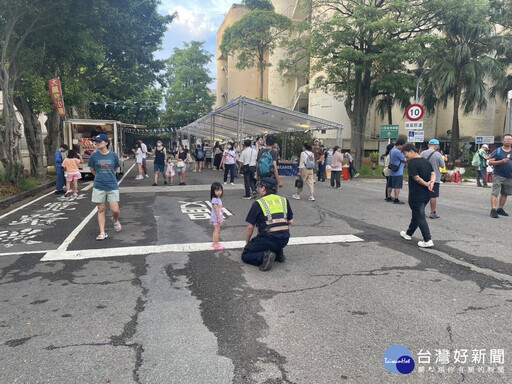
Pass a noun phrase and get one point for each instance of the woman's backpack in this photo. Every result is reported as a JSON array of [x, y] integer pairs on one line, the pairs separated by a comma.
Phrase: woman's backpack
[[310, 161]]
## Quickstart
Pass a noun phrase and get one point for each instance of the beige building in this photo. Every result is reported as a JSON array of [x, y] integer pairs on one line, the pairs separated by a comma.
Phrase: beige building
[[291, 90]]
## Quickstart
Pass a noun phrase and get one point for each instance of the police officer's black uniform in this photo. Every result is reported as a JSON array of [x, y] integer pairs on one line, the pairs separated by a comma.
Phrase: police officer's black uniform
[[270, 214]]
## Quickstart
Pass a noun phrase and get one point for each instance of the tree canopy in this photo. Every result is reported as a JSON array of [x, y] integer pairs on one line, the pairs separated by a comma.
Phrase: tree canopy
[[264, 5], [463, 64], [188, 97], [102, 50], [360, 48], [253, 38]]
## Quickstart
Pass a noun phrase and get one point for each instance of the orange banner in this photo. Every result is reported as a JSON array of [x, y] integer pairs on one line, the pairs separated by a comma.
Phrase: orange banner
[[56, 94]]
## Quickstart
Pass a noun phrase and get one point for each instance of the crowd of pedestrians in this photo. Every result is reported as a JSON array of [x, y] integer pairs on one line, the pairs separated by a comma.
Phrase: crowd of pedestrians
[[258, 161]]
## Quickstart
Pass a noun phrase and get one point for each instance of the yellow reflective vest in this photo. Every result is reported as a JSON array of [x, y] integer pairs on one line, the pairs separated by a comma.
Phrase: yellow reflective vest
[[275, 209]]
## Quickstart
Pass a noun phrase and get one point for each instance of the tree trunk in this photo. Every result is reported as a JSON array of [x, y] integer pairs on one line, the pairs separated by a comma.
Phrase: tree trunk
[[455, 138], [390, 108], [51, 142], [261, 80], [358, 113], [10, 154], [33, 136]]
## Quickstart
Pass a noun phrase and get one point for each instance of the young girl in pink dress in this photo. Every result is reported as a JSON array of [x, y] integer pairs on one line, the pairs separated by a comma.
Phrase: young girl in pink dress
[[217, 215]]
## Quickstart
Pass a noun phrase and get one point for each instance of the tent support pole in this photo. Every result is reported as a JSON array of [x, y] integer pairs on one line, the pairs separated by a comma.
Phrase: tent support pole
[[240, 119], [339, 138], [213, 128]]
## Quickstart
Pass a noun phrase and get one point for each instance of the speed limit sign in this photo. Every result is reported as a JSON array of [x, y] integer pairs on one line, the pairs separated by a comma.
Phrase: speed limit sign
[[414, 112]]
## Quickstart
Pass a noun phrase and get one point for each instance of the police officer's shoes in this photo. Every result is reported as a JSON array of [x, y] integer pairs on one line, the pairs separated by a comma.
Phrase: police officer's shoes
[[268, 260]]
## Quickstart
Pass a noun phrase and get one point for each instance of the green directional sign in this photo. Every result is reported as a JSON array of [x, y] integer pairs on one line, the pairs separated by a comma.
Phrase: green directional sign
[[389, 131]]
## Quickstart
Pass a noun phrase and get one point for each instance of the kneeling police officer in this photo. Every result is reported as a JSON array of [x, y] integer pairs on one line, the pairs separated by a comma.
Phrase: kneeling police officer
[[273, 216]]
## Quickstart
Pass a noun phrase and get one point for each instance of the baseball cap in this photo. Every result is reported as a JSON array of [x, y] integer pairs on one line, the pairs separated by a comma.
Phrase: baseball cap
[[268, 182], [485, 146], [101, 137], [433, 142]]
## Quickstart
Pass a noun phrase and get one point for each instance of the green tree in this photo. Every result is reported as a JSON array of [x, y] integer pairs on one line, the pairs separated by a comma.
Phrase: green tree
[[356, 45], [102, 50], [19, 20], [265, 5], [463, 63], [188, 97], [254, 38], [395, 87]]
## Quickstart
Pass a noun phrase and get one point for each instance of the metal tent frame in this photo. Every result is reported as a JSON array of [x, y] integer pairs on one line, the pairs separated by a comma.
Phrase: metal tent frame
[[244, 117]]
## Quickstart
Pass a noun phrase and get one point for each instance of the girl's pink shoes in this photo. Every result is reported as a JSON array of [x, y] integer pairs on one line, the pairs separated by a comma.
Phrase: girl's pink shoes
[[218, 247]]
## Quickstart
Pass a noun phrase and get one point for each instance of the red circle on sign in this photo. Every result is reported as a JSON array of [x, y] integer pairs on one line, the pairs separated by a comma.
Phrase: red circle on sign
[[414, 112]]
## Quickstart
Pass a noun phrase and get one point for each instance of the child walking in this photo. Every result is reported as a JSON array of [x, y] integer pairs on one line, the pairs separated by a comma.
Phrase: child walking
[[217, 216], [169, 171], [73, 173]]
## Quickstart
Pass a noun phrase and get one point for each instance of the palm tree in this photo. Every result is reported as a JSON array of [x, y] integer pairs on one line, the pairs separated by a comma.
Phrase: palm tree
[[461, 66]]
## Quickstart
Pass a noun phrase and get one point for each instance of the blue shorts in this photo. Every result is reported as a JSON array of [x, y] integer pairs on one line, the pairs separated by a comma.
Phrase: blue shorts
[[395, 182], [159, 168]]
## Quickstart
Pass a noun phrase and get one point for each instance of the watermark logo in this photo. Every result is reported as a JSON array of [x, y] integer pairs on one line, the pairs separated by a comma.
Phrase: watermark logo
[[398, 359]]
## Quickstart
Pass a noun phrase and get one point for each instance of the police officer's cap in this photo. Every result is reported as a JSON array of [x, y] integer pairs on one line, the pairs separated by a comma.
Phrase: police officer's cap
[[268, 182]]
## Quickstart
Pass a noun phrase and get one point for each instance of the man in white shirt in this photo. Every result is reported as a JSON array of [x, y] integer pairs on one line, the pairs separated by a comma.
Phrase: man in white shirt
[[144, 149], [247, 162]]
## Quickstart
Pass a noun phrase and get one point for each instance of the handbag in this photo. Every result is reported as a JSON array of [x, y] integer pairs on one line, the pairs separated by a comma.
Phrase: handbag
[[394, 167], [299, 183], [180, 164]]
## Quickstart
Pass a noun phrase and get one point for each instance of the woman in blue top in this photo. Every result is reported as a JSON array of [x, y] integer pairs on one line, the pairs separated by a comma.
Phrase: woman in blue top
[[104, 166], [61, 180]]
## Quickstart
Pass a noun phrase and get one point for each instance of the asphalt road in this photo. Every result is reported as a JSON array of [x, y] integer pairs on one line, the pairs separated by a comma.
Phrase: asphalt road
[[154, 304]]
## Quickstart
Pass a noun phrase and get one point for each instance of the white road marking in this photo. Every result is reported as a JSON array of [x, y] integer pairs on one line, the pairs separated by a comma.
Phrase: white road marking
[[190, 247], [126, 173], [26, 205], [24, 253], [179, 188], [89, 186], [76, 231]]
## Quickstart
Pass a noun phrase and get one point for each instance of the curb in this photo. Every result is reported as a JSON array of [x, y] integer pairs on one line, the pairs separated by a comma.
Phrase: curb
[[22, 196]]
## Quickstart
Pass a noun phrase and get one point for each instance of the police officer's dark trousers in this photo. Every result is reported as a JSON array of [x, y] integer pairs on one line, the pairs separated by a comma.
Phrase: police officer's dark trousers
[[253, 252]]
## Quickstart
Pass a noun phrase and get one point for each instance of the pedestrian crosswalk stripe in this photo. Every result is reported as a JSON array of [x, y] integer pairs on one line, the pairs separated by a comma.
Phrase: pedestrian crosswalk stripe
[[56, 255]]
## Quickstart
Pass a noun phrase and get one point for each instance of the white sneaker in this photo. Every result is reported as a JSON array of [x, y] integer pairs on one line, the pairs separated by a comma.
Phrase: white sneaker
[[232, 183], [225, 182], [311, 198], [296, 197], [426, 244], [405, 235], [139, 177]]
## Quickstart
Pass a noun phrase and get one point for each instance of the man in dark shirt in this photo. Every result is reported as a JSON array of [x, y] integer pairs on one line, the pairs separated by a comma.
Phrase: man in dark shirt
[[96, 131], [272, 215], [502, 179], [421, 183]]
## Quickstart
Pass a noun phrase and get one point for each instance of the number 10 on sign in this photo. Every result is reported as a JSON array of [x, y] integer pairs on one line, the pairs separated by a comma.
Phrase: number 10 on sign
[[414, 112]]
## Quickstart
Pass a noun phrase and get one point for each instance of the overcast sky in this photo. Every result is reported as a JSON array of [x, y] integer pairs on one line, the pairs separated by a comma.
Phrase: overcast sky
[[197, 20]]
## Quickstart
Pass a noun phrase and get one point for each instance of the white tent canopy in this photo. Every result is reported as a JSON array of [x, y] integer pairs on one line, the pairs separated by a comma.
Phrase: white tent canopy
[[244, 117]]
